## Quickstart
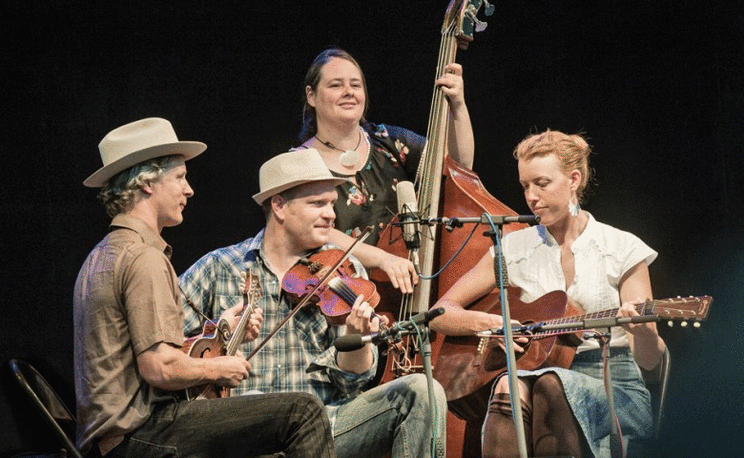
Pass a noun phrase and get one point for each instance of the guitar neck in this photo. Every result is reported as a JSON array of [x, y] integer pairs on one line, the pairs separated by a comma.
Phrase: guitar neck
[[691, 308]]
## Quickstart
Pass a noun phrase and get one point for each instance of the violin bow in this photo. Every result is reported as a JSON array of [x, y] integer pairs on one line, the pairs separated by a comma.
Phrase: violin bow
[[365, 233]]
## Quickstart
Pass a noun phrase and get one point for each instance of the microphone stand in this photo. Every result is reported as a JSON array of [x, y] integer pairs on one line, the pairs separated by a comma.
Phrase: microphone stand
[[418, 325], [496, 222], [502, 281], [425, 342]]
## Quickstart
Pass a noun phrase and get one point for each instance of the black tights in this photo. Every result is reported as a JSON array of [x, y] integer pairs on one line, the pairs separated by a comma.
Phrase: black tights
[[550, 427]]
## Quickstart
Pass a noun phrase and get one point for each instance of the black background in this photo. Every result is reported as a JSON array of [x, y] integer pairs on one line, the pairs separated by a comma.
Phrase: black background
[[656, 85]]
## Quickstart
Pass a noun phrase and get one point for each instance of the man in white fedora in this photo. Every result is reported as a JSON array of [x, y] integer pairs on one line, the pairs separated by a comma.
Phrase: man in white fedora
[[297, 193], [130, 371]]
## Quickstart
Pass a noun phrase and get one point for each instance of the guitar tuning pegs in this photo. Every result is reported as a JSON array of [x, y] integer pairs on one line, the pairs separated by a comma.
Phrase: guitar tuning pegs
[[683, 324], [696, 324], [670, 323]]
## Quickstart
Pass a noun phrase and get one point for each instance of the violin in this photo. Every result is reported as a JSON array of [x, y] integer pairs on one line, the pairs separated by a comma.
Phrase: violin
[[311, 288], [336, 297]]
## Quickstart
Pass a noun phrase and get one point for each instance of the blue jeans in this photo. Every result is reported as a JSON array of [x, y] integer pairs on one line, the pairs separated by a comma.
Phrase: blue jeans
[[394, 416], [288, 424]]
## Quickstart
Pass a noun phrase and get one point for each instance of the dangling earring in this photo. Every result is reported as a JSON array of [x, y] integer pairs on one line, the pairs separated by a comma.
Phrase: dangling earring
[[573, 208]]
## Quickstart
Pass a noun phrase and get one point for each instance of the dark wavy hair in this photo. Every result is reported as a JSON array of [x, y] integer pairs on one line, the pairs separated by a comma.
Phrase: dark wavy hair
[[312, 78]]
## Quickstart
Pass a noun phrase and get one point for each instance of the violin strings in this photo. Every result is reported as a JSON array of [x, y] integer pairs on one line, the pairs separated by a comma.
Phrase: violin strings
[[347, 294]]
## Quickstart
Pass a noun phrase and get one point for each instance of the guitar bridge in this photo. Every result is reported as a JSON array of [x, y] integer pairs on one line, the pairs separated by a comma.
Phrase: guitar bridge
[[478, 360]]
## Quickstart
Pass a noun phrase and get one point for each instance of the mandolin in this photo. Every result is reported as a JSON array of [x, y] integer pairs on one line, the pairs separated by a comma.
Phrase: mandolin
[[217, 340]]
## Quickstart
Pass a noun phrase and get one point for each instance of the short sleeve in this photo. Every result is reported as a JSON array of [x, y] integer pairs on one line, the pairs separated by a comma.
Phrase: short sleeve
[[153, 307]]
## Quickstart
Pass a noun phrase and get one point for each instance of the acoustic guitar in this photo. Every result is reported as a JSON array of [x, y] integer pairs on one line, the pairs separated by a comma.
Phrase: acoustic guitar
[[467, 363]]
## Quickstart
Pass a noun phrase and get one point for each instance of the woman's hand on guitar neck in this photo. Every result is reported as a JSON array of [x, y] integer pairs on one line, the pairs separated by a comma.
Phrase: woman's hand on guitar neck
[[628, 310], [645, 342]]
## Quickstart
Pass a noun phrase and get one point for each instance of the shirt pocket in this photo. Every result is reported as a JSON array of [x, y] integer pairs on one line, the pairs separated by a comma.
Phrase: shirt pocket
[[223, 302]]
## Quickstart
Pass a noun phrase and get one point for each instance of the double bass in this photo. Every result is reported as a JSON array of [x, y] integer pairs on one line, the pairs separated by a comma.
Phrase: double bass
[[444, 188]]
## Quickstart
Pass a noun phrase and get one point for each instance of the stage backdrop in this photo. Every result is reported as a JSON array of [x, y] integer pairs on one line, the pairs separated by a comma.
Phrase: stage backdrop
[[656, 86]]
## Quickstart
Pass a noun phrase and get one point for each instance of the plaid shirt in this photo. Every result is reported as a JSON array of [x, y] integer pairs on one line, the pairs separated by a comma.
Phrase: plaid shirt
[[301, 356]]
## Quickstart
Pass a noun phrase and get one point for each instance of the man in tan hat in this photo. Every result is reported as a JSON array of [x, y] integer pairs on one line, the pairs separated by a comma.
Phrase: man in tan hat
[[130, 371], [297, 195]]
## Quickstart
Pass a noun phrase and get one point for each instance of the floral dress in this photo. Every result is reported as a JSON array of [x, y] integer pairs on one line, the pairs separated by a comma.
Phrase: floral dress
[[393, 157]]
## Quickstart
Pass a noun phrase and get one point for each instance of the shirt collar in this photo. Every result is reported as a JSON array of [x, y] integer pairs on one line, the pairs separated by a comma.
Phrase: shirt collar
[[254, 250], [148, 235], [586, 235]]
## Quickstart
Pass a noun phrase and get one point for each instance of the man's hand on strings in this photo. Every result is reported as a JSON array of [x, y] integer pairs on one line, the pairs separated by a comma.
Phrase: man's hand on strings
[[232, 317], [362, 319]]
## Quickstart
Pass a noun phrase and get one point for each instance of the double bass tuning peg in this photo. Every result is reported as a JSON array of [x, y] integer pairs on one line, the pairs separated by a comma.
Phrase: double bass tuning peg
[[489, 8], [472, 10]]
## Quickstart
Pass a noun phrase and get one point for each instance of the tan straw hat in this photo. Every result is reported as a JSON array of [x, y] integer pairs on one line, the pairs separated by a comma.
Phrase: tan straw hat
[[288, 170], [137, 142]]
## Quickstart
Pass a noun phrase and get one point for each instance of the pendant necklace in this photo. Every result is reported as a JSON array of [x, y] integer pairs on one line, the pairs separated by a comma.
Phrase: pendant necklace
[[348, 158]]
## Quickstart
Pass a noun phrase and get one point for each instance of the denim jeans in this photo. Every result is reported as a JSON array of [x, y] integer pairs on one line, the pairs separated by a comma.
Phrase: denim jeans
[[288, 424], [394, 416]]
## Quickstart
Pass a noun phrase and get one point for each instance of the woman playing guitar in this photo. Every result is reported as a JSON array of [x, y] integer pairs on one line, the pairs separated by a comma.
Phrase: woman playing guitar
[[599, 267]]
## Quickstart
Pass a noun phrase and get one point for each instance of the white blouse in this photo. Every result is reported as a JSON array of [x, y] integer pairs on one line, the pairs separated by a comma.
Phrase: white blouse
[[602, 254]]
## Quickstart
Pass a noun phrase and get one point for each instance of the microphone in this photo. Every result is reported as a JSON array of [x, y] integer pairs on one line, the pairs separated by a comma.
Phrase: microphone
[[408, 215], [351, 342], [515, 329], [484, 219]]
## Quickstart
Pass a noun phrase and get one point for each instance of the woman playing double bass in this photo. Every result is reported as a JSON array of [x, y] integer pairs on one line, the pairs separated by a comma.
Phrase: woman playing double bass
[[374, 157], [599, 267]]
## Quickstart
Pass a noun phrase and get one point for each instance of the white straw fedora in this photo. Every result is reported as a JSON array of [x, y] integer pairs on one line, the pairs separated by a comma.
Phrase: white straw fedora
[[291, 169], [136, 142]]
